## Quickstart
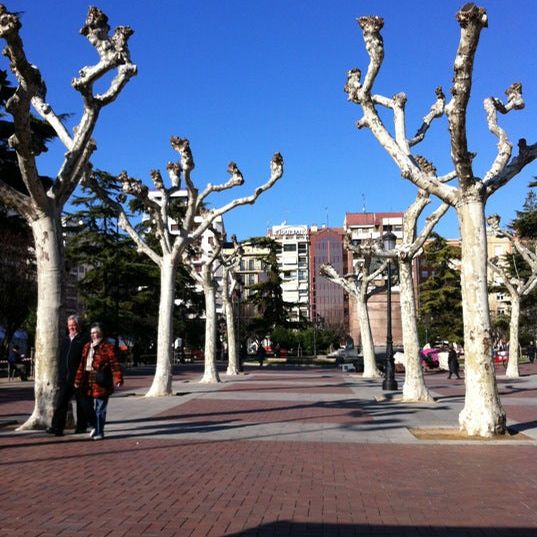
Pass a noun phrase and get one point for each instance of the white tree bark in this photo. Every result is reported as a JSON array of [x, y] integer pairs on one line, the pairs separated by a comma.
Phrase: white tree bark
[[189, 229], [42, 208], [47, 239], [514, 354], [483, 413], [414, 387], [359, 285], [517, 288], [210, 373], [232, 347], [162, 381], [228, 287], [368, 348]]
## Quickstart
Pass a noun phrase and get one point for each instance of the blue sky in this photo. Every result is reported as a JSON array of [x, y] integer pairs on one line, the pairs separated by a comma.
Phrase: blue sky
[[245, 78]]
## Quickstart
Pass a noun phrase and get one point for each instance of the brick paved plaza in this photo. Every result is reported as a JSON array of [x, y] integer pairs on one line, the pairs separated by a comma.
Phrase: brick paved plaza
[[275, 452]]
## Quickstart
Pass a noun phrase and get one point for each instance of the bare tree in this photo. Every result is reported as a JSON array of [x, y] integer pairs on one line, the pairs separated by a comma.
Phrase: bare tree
[[41, 206], [188, 227], [517, 287], [414, 387], [483, 413], [360, 285], [204, 266], [230, 262]]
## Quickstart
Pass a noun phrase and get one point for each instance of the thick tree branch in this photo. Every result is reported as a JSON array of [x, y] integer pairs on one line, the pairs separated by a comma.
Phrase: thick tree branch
[[511, 283], [492, 106], [113, 53], [44, 109], [348, 284], [436, 111], [123, 220], [236, 179], [526, 155], [472, 19], [30, 85], [276, 171], [361, 94], [14, 199]]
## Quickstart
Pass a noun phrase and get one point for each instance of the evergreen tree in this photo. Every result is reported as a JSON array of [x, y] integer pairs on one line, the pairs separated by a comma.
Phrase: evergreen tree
[[525, 227], [120, 286], [440, 314], [18, 288], [267, 295]]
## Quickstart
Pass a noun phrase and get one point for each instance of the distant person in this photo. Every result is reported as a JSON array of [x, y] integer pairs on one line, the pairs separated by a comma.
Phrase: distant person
[[261, 354], [15, 364], [532, 351], [136, 353], [98, 360], [453, 362], [70, 356]]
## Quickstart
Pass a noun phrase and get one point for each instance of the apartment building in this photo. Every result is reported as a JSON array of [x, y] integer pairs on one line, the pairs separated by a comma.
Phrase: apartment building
[[372, 226], [329, 304], [293, 262]]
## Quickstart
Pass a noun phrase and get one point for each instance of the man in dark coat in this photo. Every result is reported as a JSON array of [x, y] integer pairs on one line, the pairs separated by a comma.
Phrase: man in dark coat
[[453, 362], [70, 356]]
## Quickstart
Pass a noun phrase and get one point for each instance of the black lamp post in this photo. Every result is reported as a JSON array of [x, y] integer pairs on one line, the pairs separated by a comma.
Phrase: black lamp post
[[389, 383], [239, 291]]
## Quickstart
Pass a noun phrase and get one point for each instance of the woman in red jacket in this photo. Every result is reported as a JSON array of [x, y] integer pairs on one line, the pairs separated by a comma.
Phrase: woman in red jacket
[[98, 373]]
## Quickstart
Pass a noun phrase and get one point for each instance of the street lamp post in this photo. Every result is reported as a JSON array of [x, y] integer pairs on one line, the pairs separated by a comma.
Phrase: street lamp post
[[389, 369], [238, 344]]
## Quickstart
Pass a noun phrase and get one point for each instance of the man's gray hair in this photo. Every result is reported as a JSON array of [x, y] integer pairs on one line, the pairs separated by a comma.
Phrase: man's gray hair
[[74, 318]]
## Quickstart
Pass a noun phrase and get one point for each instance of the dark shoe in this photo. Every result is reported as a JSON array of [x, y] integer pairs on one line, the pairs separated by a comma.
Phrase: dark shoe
[[55, 432], [79, 430]]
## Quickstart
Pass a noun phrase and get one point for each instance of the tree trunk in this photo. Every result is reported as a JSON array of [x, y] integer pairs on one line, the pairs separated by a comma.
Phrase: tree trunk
[[162, 381], [368, 348], [483, 414], [50, 299], [210, 374], [512, 365], [233, 356], [414, 388]]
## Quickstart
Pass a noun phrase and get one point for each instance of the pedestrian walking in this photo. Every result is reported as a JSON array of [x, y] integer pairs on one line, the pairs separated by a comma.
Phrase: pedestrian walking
[[70, 356], [15, 365], [531, 351], [98, 373], [261, 354], [453, 362]]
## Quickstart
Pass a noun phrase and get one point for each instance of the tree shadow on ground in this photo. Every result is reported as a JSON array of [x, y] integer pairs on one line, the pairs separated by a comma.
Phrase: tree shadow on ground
[[286, 528]]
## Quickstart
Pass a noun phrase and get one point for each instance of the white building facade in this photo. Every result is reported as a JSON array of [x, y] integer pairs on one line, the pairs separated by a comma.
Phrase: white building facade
[[293, 262]]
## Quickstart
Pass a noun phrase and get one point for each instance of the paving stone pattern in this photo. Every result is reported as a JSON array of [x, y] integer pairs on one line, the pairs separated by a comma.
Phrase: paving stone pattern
[[275, 452]]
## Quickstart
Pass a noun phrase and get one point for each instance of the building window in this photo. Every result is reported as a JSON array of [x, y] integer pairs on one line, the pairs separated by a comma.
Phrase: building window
[[289, 247]]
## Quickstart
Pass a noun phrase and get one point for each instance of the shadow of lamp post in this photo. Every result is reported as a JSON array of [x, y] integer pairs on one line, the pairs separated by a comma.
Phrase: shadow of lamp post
[[389, 383]]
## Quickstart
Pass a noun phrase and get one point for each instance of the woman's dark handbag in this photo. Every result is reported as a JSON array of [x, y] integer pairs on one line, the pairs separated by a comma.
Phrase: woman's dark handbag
[[103, 376]]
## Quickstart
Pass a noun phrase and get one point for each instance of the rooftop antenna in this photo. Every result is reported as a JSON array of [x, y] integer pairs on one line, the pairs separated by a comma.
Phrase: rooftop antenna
[[326, 209], [363, 203]]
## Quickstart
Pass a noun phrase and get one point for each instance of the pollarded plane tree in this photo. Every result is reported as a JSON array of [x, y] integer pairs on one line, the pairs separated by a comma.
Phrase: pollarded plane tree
[[516, 286], [360, 284], [42, 206], [414, 387], [483, 414], [176, 231], [203, 264], [230, 261]]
